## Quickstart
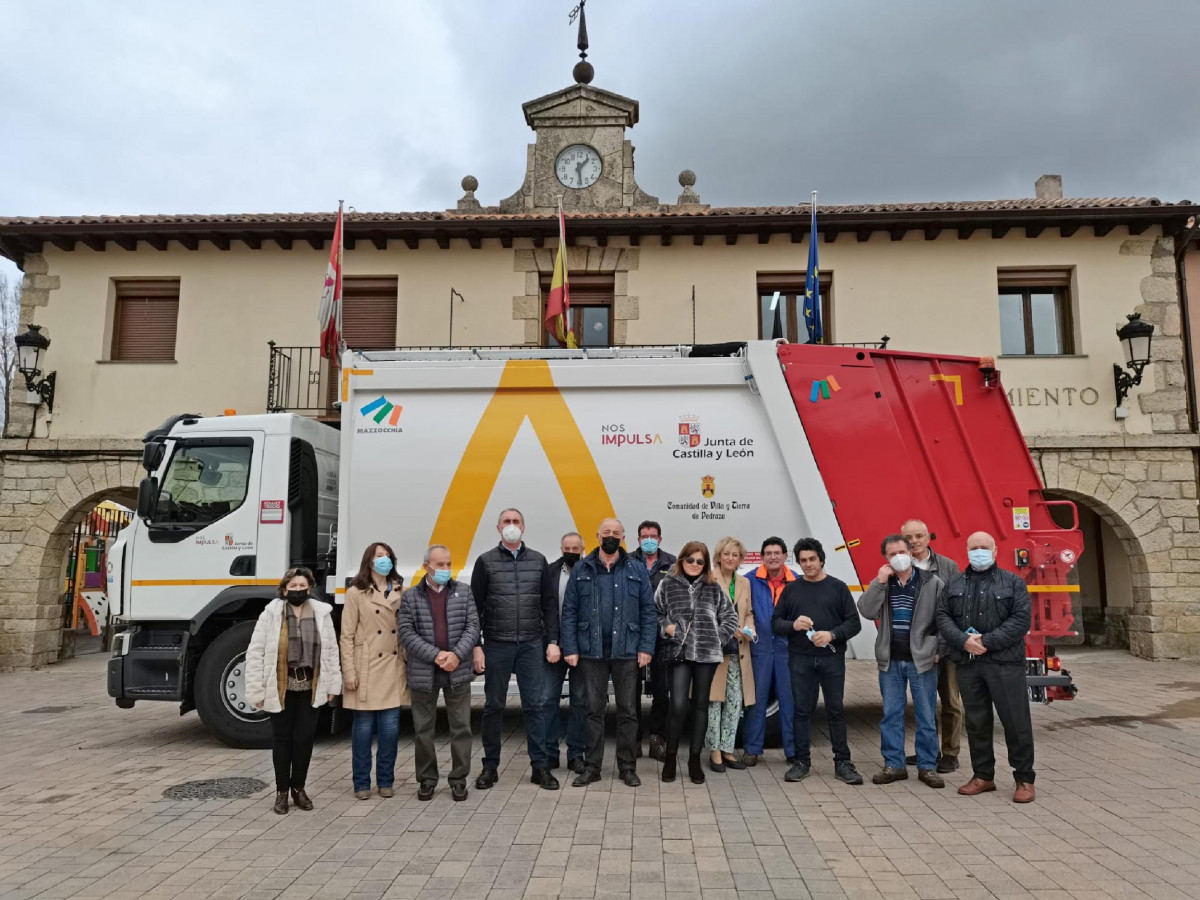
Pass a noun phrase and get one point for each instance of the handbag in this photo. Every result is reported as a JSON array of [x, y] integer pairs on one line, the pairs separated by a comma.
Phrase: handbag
[[671, 650]]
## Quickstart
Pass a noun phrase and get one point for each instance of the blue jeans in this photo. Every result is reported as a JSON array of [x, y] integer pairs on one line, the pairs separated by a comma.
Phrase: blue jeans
[[770, 667], [894, 685], [503, 659], [370, 724], [573, 725]]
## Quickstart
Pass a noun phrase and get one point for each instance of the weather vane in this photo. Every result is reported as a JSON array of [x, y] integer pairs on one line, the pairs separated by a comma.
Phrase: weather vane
[[583, 71]]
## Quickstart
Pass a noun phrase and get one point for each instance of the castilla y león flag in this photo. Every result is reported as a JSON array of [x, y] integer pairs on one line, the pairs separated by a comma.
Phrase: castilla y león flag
[[331, 300], [558, 304]]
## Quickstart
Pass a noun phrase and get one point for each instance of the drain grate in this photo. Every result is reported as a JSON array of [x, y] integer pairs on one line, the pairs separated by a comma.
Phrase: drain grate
[[215, 789], [46, 710]]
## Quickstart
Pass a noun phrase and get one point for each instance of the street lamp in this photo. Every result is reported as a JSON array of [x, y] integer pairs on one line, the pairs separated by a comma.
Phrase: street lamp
[[30, 347], [1135, 338]]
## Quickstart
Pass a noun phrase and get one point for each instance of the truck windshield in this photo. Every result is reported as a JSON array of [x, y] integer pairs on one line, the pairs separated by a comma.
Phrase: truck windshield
[[204, 482]]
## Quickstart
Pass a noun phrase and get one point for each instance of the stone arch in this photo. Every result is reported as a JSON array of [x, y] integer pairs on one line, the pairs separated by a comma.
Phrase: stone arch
[[1148, 498], [60, 494]]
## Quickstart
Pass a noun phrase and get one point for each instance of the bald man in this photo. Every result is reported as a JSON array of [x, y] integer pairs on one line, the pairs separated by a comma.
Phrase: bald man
[[984, 617], [609, 626]]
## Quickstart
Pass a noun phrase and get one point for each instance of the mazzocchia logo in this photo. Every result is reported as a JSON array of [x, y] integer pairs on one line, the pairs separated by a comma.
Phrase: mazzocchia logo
[[381, 410]]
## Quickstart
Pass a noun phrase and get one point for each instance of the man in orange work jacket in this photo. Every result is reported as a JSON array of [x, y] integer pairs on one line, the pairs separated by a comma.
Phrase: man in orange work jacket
[[769, 654]]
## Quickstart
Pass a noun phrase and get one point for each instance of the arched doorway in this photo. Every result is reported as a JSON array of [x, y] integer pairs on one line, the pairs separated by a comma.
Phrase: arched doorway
[[1106, 592]]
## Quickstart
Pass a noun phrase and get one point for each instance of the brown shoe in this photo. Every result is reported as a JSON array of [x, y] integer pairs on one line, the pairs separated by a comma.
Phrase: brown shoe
[[977, 786], [301, 799], [387, 792], [931, 778], [281, 804], [750, 760], [362, 795], [1024, 793]]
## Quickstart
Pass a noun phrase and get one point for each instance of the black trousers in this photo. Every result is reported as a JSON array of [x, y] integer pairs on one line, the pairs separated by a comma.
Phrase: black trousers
[[293, 730], [690, 683], [812, 673], [660, 702], [984, 685], [625, 690]]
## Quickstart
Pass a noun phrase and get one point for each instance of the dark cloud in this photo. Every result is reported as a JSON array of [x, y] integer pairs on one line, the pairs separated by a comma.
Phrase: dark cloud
[[279, 105]]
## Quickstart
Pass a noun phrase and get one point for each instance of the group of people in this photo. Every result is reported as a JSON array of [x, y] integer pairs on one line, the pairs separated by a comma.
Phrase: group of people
[[717, 645]]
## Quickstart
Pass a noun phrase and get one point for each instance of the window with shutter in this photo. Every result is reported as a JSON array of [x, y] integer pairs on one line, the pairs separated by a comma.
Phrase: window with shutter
[[1035, 312], [369, 312], [144, 319]]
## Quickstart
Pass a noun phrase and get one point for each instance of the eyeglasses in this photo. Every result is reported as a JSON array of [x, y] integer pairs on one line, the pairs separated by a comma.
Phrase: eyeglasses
[[695, 560]]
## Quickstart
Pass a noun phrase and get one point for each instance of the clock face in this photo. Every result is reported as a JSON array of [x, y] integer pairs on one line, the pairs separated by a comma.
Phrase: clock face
[[578, 166]]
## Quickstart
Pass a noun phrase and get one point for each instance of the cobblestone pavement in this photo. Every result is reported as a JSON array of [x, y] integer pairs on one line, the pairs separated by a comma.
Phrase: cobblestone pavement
[[82, 812]]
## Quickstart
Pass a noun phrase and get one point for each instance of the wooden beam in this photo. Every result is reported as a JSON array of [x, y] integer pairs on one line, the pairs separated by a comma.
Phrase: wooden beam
[[412, 242], [379, 240], [506, 239], [864, 235], [601, 238], [539, 241], [189, 241], [932, 232], [126, 242], [897, 232], [349, 241], [635, 239], [1136, 228], [999, 231], [798, 237], [1067, 230], [253, 241], [764, 237], [831, 235], [94, 243], [1032, 231], [698, 238], [1103, 228], [283, 240], [965, 231], [731, 237], [443, 240], [63, 243], [474, 240], [157, 241], [316, 241], [665, 236]]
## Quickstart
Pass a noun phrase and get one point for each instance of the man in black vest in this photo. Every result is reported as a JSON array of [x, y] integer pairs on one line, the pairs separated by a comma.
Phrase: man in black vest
[[518, 616]]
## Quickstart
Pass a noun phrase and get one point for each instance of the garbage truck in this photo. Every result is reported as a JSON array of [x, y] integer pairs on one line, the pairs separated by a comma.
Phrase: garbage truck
[[747, 439]]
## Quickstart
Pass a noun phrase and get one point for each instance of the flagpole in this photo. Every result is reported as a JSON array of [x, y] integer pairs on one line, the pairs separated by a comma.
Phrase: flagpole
[[341, 349], [568, 314]]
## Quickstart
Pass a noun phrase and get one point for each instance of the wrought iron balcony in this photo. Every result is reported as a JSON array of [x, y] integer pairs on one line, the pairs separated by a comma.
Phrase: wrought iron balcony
[[298, 381]]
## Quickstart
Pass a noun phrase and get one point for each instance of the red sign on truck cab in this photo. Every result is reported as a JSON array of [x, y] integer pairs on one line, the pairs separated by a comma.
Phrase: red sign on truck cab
[[271, 512]]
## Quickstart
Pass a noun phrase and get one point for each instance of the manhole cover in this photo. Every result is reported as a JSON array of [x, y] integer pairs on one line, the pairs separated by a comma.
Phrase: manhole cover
[[215, 789], [45, 710]]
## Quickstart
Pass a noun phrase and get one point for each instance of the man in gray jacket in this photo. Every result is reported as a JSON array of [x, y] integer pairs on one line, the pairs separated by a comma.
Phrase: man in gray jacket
[[438, 624], [950, 724], [904, 599]]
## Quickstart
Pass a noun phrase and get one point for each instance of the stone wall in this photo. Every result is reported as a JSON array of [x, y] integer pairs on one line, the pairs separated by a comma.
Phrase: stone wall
[[1147, 494], [35, 291]]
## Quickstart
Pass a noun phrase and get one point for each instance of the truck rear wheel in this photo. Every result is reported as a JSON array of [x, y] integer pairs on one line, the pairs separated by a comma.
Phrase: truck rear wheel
[[220, 692]]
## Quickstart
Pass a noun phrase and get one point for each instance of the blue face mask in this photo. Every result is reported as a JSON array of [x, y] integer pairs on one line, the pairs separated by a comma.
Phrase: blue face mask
[[383, 566], [649, 545], [440, 576], [980, 559]]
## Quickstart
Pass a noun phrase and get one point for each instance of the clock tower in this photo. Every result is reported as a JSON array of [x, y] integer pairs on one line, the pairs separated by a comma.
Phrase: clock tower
[[580, 152]]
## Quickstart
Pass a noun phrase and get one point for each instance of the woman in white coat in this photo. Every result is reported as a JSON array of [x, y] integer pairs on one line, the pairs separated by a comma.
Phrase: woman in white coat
[[292, 669]]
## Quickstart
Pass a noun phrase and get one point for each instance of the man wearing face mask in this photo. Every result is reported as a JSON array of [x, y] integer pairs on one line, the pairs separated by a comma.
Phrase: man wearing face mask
[[518, 616], [904, 599], [575, 727], [609, 625], [658, 562], [984, 617], [950, 726]]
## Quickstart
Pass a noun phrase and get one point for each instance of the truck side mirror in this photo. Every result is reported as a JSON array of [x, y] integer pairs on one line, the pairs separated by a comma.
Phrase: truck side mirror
[[147, 499], [152, 455]]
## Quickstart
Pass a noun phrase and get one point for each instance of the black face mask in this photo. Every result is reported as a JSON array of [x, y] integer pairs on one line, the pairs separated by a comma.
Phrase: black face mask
[[570, 559], [610, 544], [296, 598]]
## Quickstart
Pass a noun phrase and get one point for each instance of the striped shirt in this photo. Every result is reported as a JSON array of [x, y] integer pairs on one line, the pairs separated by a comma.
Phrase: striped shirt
[[902, 599]]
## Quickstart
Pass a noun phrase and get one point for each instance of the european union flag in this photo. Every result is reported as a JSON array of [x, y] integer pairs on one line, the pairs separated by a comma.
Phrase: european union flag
[[812, 287]]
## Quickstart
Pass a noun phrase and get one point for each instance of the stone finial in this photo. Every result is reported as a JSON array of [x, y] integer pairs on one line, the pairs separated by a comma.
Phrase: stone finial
[[583, 73], [687, 178], [468, 203], [1048, 187]]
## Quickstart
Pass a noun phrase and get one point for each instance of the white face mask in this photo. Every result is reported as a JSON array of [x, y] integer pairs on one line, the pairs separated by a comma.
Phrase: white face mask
[[901, 562], [511, 534], [981, 559]]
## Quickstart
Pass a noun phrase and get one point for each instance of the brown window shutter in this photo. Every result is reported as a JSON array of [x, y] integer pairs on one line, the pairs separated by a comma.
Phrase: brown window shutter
[[147, 313], [369, 312], [1033, 278]]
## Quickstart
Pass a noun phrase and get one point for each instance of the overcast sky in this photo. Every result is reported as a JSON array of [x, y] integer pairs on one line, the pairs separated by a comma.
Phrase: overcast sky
[[264, 106]]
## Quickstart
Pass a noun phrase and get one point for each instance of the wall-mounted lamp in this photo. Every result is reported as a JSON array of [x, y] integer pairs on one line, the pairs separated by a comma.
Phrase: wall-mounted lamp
[[1135, 338], [30, 347]]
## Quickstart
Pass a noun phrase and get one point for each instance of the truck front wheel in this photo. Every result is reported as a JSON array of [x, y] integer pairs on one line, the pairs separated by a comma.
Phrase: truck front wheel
[[220, 692]]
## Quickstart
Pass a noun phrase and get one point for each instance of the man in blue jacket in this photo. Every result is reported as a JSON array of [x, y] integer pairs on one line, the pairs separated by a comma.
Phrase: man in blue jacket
[[608, 627], [769, 654]]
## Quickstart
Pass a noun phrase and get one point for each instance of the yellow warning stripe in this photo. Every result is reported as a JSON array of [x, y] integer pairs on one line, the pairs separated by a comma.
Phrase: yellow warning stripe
[[346, 373]]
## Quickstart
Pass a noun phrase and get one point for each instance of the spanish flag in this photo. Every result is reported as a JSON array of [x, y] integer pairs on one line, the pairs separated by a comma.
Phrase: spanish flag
[[558, 304]]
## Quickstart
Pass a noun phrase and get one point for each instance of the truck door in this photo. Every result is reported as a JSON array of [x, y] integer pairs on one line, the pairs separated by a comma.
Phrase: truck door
[[203, 536]]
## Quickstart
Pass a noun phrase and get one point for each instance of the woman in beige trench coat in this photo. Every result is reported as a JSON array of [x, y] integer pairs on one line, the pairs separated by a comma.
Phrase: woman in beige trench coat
[[375, 683], [733, 685]]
